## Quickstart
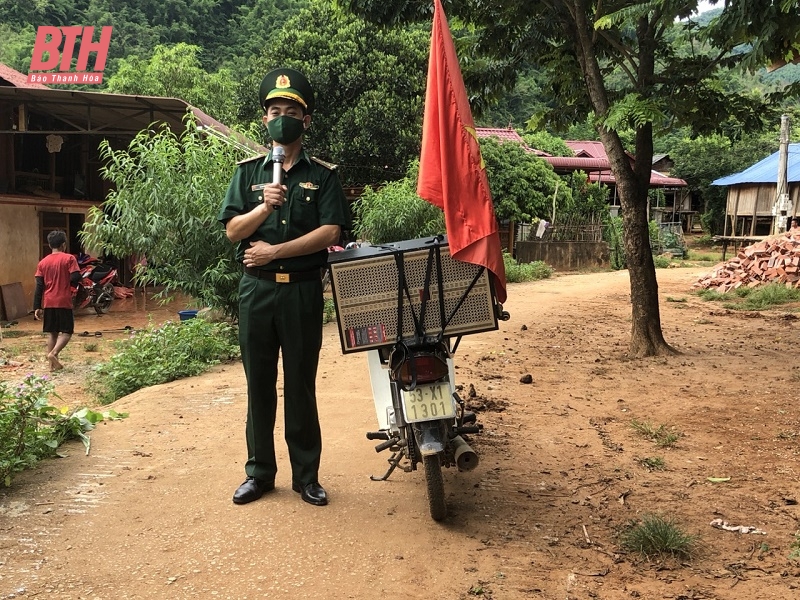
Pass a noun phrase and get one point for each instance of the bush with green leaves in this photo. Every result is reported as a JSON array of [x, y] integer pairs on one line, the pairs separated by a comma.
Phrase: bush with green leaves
[[163, 208], [32, 429], [395, 213], [662, 262], [161, 354], [612, 235], [517, 272], [522, 184]]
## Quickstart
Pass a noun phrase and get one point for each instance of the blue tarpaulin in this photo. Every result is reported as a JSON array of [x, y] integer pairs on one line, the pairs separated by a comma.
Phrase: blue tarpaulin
[[766, 171]]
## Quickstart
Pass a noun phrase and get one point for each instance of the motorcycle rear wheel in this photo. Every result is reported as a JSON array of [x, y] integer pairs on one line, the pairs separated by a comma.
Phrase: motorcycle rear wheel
[[435, 485]]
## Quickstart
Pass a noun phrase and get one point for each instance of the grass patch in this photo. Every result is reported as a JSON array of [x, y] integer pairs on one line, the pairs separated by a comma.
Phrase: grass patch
[[653, 463], [795, 547], [710, 295], [757, 298], [14, 333], [92, 347], [658, 537], [662, 262], [704, 257], [160, 354], [773, 294], [671, 299], [660, 435], [519, 272]]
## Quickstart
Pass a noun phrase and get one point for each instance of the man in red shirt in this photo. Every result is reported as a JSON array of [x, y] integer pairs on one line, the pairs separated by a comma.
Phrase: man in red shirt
[[53, 297]]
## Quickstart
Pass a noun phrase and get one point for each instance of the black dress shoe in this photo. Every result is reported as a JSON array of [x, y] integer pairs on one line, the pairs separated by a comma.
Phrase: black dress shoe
[[252, 489], [313, 493]]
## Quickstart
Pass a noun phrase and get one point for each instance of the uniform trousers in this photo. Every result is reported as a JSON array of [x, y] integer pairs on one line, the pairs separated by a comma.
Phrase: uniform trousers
[[283, 318]]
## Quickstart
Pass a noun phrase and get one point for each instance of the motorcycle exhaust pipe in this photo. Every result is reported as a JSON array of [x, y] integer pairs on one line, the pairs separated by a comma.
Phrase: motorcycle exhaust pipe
[[465, 457]]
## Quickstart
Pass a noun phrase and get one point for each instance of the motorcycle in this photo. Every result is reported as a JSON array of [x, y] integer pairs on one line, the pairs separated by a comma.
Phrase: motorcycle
[[424, 418], [407, 305], [96, 287]]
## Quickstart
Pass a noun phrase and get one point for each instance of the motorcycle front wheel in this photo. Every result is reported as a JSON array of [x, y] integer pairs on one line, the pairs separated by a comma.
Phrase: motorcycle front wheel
[[435, 484], [104, 300]]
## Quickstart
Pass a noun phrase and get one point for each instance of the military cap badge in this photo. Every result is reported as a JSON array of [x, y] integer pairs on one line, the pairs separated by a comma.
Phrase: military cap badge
[[286, 83]]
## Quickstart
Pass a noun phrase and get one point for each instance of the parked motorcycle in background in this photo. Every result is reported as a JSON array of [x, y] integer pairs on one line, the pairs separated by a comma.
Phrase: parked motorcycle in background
[[96, 287]]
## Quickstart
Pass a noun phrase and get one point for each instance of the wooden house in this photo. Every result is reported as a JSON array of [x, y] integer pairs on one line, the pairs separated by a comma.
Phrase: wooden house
[[50, 165], [750, 209]]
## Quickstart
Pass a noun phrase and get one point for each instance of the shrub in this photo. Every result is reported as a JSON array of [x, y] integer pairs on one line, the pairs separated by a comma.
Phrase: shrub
[[395, 213], [517, 272], [161, 354], [661, 262], [31, 429], [612, 234]]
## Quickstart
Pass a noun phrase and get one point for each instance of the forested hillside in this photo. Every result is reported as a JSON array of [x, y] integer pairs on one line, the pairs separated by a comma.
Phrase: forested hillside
[[370, 79]]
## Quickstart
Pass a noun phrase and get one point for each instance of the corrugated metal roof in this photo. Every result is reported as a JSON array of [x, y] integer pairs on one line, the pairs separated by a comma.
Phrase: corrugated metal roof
[[766, 170], [103, 114]]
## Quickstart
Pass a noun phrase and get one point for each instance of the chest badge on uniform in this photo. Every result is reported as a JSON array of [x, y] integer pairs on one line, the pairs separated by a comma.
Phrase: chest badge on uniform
[[310, 190]]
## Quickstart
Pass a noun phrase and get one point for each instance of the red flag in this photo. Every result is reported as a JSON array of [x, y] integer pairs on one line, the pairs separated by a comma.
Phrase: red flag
[[452, 175]]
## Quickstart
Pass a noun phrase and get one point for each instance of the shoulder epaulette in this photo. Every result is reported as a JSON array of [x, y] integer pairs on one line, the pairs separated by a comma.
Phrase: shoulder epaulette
[[246, 160], [325, 164]]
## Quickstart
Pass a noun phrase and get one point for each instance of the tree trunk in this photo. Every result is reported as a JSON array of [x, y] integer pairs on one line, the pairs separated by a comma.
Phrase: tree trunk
[[632, 183]]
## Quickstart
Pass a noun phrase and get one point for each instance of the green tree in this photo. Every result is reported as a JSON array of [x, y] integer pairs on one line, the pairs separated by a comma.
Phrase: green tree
[[522, 184], [175, 72], [617, 59], [167, 191], [16, 49], [701, 160], [251, 32], [369, 83], [542, 140]]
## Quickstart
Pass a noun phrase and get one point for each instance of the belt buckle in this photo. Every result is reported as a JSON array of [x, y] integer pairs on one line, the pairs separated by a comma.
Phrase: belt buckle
[[282, 277]]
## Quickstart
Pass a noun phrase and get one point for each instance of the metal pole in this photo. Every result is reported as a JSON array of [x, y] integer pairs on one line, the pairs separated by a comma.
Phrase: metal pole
[[782, 192]]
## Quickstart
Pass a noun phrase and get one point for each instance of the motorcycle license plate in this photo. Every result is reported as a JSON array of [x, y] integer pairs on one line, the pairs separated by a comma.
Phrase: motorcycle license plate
[[429, 402]]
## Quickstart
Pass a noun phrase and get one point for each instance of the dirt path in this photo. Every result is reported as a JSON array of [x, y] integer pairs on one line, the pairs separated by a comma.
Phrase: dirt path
[[148, 513]]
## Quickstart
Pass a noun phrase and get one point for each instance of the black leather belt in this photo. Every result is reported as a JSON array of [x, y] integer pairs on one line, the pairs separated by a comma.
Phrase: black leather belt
[[283, 277]]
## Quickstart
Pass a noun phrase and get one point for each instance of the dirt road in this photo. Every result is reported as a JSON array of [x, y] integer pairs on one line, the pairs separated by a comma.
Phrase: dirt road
[[148, 514]]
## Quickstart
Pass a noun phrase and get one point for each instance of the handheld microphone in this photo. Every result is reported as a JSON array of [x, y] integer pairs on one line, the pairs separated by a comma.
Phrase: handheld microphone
[[278, 156]]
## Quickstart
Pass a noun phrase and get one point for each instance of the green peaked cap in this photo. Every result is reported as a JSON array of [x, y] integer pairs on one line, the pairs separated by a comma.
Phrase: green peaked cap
[[288, 84]]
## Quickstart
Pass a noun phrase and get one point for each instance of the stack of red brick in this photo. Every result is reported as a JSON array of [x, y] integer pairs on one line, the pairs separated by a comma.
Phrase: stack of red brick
[[773, 260]]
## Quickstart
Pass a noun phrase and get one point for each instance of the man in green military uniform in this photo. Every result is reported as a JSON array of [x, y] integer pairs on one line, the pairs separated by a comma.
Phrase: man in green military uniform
[[283, 230]]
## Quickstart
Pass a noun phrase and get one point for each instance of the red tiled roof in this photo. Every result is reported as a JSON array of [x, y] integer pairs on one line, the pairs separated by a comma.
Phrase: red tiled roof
[[587, 148], [656, 179], [16, 79], [573, 163], [506, 134]]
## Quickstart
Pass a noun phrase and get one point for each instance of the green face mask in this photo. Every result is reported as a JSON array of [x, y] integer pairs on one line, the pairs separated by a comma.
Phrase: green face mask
[[285, 129]]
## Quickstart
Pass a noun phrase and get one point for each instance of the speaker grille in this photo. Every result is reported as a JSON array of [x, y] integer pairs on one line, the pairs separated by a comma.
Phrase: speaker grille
[[366, 295]]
